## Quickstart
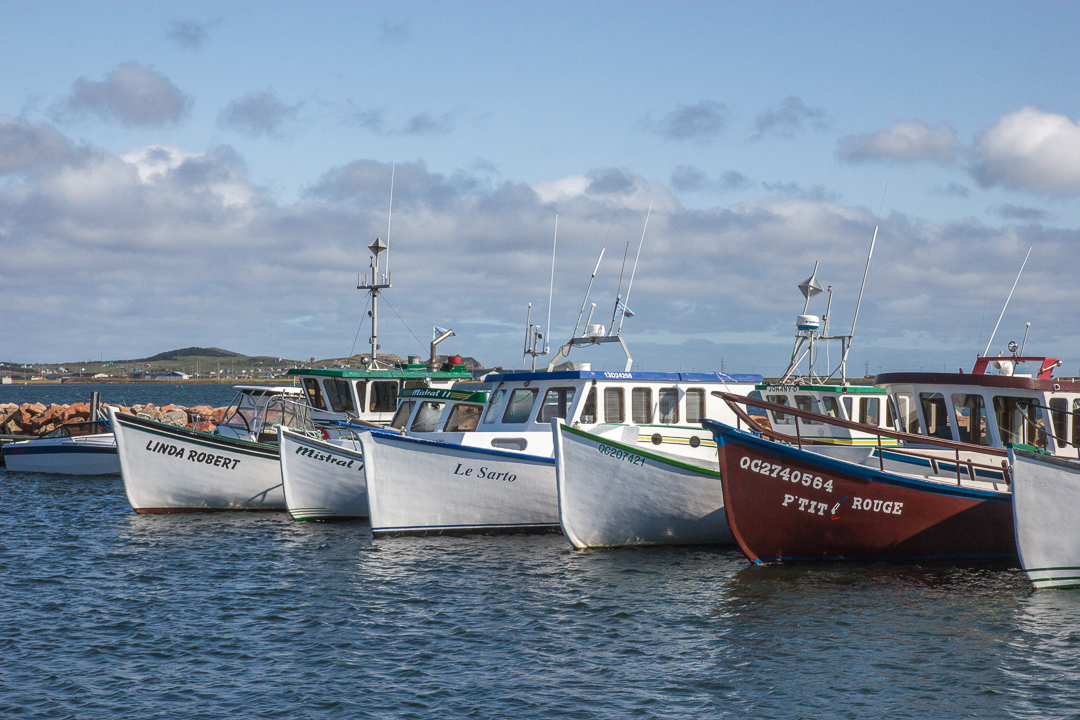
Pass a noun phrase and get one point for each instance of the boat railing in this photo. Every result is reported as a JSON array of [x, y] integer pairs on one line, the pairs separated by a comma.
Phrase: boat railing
[[734, 401], [1048, 430]]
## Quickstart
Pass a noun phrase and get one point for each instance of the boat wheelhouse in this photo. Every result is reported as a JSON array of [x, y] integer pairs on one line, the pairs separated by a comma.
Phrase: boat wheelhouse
[[990, 409], [863, 404], [369, 396]]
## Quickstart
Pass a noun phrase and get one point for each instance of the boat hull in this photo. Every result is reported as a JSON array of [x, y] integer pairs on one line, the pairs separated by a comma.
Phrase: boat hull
[[167, 469], [89, 455], [421, 487], [784, 504], [614, 495], [1046, 494], [321, 480]]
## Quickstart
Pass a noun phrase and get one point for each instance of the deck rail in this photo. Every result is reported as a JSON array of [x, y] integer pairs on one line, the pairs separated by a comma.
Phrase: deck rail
[[734, 401]]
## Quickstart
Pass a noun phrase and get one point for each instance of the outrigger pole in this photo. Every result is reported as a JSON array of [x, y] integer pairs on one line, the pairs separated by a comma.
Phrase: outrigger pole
[[634, 271]]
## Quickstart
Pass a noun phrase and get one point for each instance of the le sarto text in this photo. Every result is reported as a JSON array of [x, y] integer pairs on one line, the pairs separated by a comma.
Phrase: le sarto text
[[196, 456]]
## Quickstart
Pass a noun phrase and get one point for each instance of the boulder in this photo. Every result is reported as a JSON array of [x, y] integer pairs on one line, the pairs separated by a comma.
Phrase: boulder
[[36, 408], [175, 416]]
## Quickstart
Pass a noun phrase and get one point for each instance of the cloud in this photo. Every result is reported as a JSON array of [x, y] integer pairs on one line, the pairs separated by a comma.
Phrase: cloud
[[188, 34], [1014, 212], [688, 178], [700, 122], [395, 32], [1031, 151], [955, 189], [151, 244], [902, 142], [817, 193], [426, 124], [27, 146], [259, 114], [134, 95], [791, 115]]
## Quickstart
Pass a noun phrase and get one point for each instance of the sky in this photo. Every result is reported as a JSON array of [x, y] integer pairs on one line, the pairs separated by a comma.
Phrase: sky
[[210, 174]]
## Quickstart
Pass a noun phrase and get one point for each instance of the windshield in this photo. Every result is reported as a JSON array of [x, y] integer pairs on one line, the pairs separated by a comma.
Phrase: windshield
[[266, 411]]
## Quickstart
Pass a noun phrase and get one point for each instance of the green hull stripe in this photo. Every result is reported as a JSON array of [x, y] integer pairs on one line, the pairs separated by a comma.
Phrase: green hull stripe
[[639, 451]]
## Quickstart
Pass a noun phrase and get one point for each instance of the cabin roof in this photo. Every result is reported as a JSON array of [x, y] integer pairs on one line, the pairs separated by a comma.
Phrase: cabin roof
[[613, 375], [391, 374], [1011, 382]]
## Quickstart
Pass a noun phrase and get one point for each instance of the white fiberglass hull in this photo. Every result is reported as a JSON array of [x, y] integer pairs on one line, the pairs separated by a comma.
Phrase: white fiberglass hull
[[169, 469], [87, 455], [420, 487], [1046, 493], [612, 495], [322, 480]]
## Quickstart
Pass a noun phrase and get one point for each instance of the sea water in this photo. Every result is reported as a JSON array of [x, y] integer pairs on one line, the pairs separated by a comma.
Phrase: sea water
[[105, 613]]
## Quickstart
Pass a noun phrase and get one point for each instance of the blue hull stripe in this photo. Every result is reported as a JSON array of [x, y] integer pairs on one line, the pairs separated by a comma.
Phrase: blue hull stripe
[[59, 450]]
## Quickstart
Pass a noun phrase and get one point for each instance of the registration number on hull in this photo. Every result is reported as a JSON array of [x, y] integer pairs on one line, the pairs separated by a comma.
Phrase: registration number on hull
[[786, 473]]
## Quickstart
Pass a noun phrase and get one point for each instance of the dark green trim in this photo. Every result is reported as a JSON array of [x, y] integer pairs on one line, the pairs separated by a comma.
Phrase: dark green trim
[[394, 374], [480, 396], [198, 437], [638, 451]]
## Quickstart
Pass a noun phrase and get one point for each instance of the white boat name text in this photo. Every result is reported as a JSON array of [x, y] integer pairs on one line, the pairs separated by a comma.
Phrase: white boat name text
[[774, 470]]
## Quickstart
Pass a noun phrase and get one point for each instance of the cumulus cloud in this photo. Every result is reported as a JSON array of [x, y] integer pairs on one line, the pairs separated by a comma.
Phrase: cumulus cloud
[[1031, 151], [787, 118], [132, 94], [817, 193], [422, 123], [427, 124], [700, 122], [153, 243], [902, 142], [955, 189], [25, 146], [259, 114], [689, 179], [188, 34], [1016, 212]]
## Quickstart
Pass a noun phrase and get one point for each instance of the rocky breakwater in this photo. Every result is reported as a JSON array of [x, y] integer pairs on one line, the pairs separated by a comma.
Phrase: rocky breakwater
[[38, 419]]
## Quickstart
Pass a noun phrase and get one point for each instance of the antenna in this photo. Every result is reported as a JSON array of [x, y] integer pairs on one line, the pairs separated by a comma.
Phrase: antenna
[[618, 293], [863, 286], [1007, 301], [634, 271], [582, 311], [528, 332], [551, 287], [1027, 328], [389, 215]]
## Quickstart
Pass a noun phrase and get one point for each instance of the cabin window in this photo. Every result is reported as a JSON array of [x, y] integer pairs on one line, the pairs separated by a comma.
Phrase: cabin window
[[588, 410], [494, 405], [908, 414], [781, 418], [383, 396], [849, 403], [556, 402], [519, 406], [339, 395], [971, 424], [641, 406], [1020, 421], [427, 417], [1059, 414], [936, 415], [402, 415], [463, 418], [361, 394], [1076, 423], [832, 408], [413, 384], [695, 405], [614, 405], [870, 411], [669, 405], [810, 404], [311, 387]]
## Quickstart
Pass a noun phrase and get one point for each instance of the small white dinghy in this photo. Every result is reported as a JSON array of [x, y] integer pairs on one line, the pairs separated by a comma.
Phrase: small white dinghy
[[1046, 493], [614, 494], [79, 448]]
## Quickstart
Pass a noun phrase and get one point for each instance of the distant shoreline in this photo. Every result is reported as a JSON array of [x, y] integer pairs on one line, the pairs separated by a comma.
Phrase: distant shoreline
[[127, 381]]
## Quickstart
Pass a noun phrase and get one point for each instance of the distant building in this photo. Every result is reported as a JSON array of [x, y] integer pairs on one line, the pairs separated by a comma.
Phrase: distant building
[[102, 375], [174, 375]]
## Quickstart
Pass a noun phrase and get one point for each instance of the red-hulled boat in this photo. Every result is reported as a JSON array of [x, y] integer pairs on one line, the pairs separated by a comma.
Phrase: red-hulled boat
[[787, 502]]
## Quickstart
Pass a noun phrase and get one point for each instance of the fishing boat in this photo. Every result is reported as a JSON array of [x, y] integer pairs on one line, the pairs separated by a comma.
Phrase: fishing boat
[[614, 494], [168, 469], [1046, 493], [323, 478], [75, 448]]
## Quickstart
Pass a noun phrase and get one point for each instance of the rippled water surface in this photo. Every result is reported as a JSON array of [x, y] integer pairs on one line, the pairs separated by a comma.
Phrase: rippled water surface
[[109, 614]]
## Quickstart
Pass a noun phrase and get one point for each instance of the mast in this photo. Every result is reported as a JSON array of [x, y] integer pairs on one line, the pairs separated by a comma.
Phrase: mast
[[373, 285]]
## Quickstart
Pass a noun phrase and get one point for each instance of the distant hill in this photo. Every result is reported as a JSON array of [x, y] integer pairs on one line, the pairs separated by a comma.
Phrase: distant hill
[[186, 353]]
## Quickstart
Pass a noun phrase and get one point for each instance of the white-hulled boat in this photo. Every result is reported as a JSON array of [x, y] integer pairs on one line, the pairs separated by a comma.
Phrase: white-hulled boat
[[614, 494], [1046, 493], [501, 477], [170, 469], [323, 478], [80, 448]]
